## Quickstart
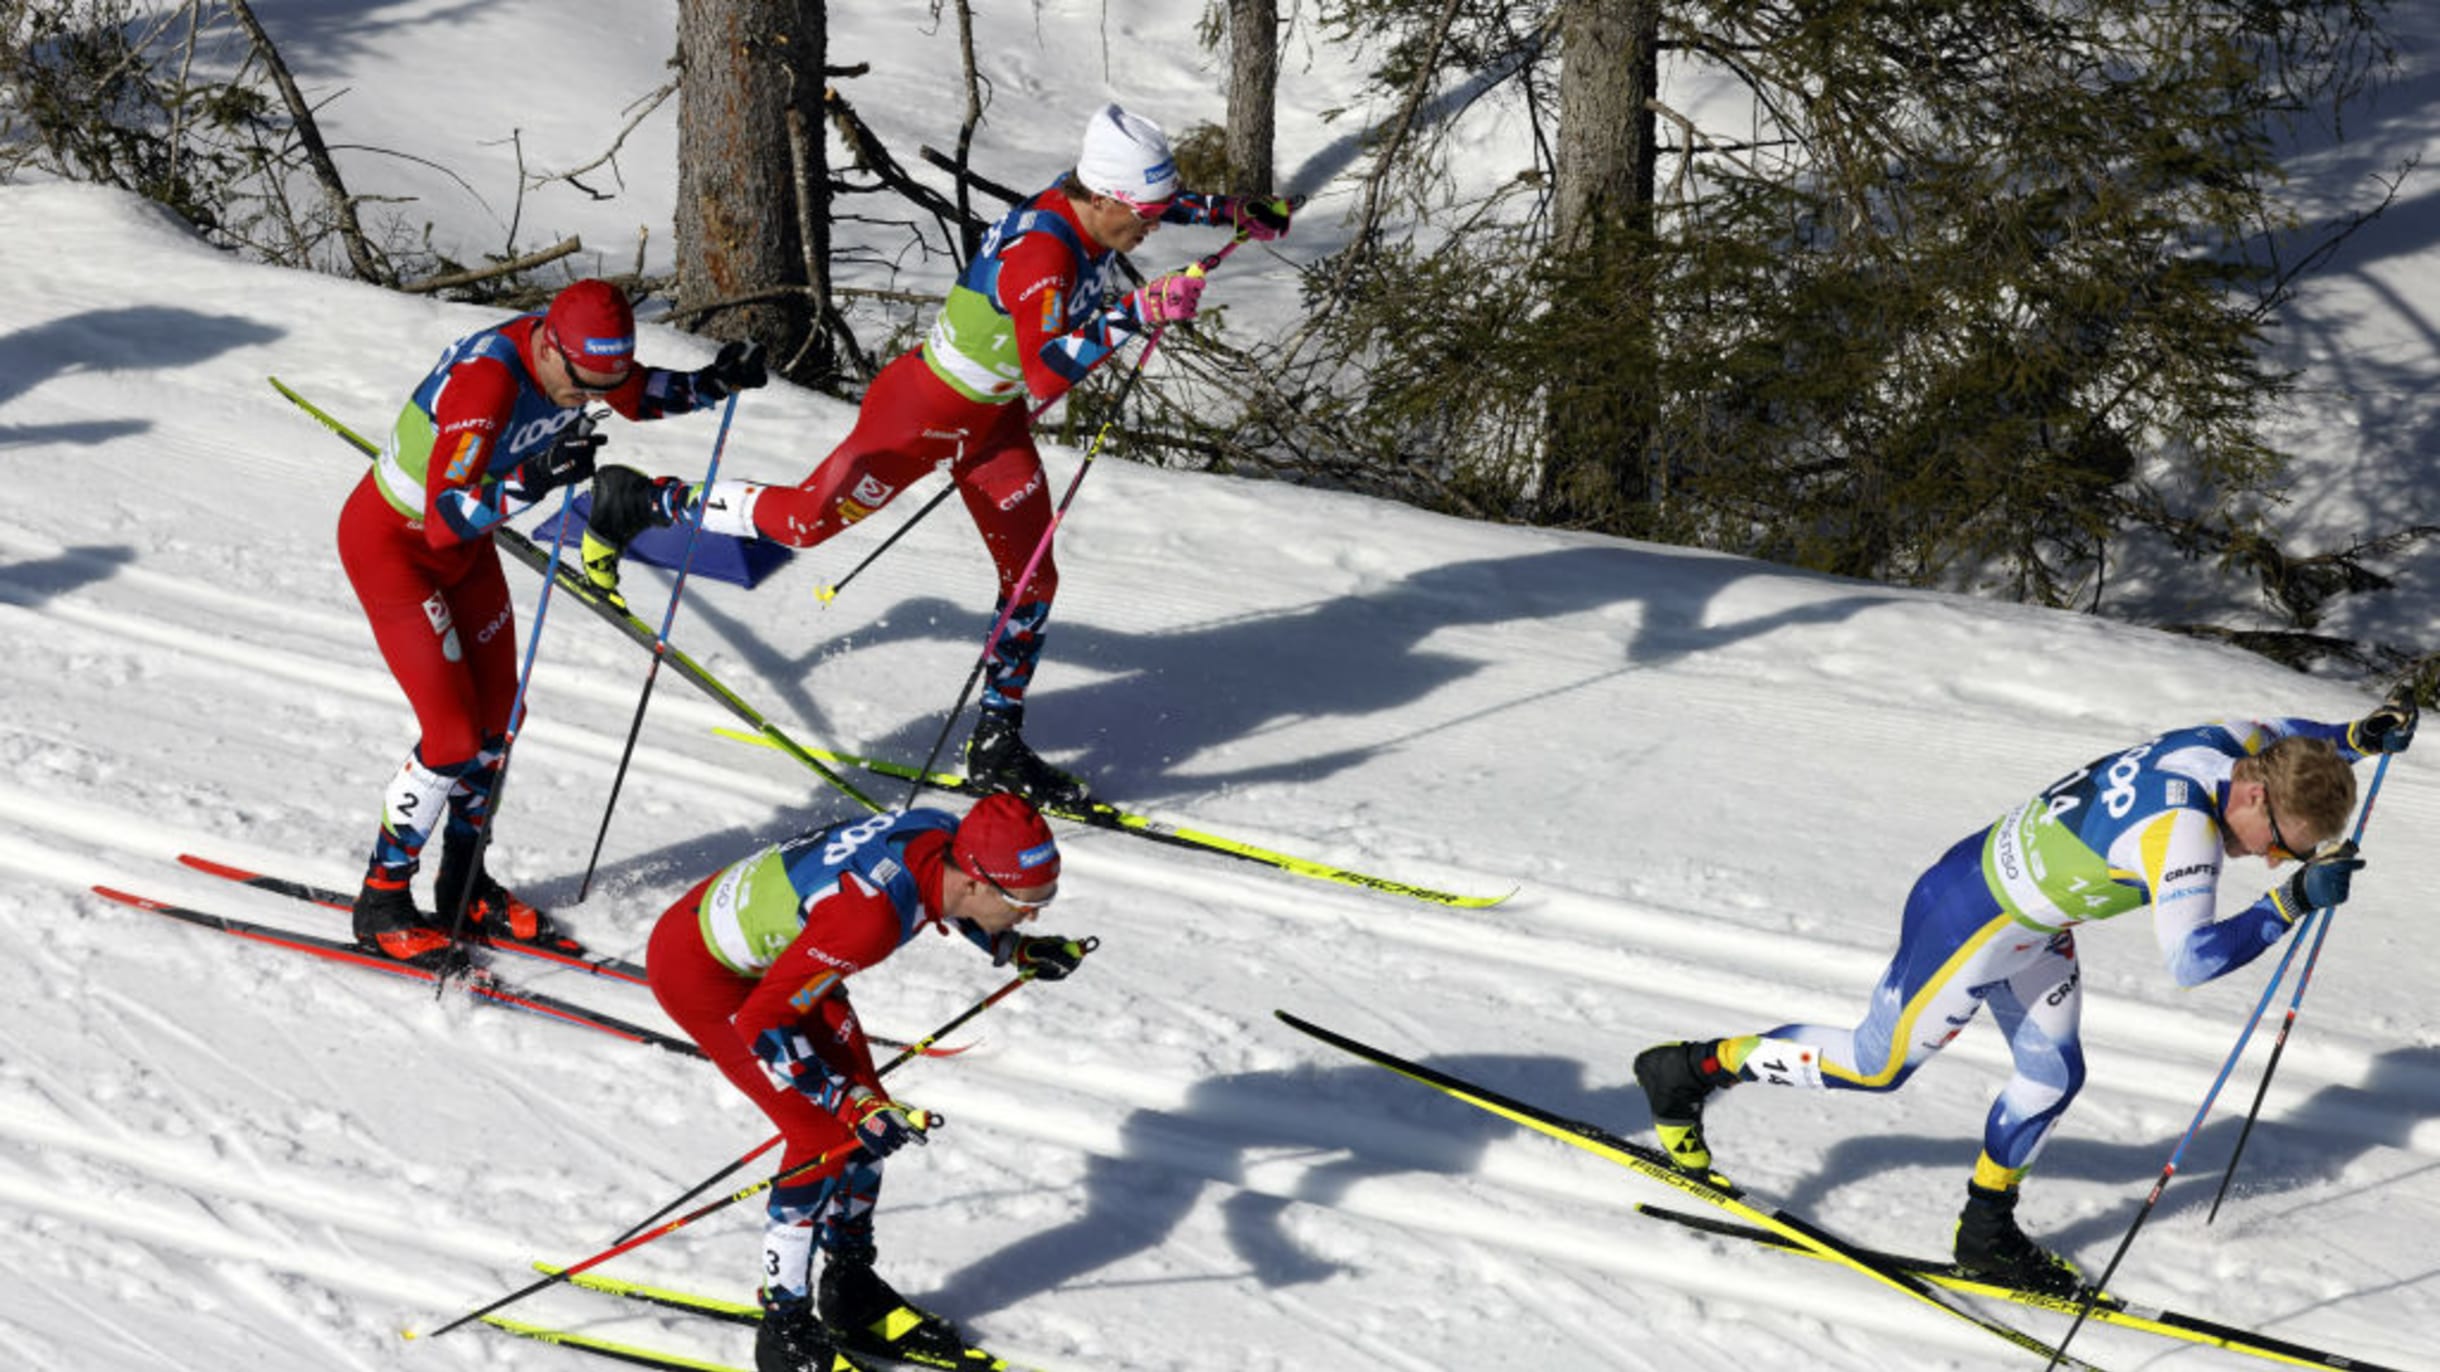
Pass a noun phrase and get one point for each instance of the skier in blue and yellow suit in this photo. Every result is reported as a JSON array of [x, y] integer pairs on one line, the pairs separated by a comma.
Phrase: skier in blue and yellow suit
[[1993, 922]]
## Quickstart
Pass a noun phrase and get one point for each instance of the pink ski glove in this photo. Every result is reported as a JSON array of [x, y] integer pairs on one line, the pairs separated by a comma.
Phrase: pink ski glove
[[1170, 299]]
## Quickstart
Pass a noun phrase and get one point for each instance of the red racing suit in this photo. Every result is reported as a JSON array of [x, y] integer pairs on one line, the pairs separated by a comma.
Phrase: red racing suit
[[415, 539], [753, 964], [1026, 321]]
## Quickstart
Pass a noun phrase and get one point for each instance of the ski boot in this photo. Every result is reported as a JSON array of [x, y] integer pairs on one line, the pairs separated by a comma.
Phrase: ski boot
[[792, 1339], [865, 1316], [1991, 1248], [1677, 1078], [625, 503], [388, 923], [997, 759], [493, 913]]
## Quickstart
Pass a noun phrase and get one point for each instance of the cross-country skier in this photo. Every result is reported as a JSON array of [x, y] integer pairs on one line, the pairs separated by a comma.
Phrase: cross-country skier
[[499, 422], [1993, 922], [1036, 309], [754, 963]]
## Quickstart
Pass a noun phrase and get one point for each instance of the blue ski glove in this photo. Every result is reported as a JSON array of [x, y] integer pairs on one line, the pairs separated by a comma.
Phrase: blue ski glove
[[2321, 885], [883, 1125], [737, 367], [2387, 729]]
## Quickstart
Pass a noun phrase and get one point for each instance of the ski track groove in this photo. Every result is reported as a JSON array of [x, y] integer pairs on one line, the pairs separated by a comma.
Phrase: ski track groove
[[1786, 976], [1578, 1210]]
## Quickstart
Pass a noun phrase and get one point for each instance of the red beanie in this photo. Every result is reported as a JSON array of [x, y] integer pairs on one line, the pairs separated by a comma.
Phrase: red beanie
[[1004, 840], [593, 324]]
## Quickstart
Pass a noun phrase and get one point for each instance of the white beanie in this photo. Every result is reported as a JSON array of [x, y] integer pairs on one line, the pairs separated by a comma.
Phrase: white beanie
[[1128, 155]]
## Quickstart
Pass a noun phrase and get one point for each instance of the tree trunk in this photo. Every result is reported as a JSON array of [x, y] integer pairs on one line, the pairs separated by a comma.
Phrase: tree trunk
[[1597, 430], [753, 69], [1253, 90]]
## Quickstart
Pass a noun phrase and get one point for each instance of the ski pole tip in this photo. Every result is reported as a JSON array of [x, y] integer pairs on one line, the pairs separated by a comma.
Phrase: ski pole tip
[[825, 594]]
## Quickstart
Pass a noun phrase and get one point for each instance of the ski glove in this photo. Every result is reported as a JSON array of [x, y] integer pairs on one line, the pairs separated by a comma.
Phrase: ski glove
[[1259, 218], [883, 1125], [739, 367], [564, 463], [2387, 729], [2321, 885], [1168, 299], [1048, 957]]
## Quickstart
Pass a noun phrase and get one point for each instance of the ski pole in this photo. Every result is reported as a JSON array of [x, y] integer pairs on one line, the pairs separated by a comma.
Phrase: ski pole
[[1042, 546], [525, 551], [508, 741], [925, 1121], [2092, 1292], [826, 594], [912, 1050], [2321, 931], [660, 646]]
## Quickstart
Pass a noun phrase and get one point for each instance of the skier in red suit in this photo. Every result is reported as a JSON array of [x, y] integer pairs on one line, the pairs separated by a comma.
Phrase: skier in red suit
[[1037, 308], [499, 422]]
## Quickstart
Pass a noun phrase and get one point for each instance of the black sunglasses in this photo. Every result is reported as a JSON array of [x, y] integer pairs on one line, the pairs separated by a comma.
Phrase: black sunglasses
[[2280, 847], [579, 382]]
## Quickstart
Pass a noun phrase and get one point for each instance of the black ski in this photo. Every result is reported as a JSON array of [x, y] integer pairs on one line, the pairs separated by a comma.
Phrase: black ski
[[864, 1343], [481, 982], [2109, 1309]]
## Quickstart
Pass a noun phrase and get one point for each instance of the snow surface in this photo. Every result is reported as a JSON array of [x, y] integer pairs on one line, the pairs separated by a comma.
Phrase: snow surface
[[1709, 781]]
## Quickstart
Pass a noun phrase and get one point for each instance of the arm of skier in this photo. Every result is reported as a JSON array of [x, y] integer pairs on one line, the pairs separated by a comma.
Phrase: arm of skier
[[2177, 856], [462, 501], [658, 392], [797, 1022]]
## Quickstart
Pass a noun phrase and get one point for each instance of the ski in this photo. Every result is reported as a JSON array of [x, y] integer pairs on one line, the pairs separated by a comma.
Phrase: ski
[[617, 1352], [481, 982], [1712, 1188], [874, 1343], [603, 965], [2110, 1309], [1104, 816], [821, 761], [572, 583], [568, 954]]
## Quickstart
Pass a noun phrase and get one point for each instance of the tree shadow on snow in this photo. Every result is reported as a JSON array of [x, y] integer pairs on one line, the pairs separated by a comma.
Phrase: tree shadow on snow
[[1365, 1122], [1170, 695], [29, 584], [132, 338]]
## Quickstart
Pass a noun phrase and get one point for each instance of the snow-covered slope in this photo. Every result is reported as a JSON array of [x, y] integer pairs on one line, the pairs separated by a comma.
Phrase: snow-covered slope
[[1710, 782]]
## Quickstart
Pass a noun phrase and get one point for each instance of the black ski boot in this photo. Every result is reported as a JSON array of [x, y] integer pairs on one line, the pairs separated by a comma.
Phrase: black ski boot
[[1991, 1248], [866, 1316], [793, 1340], [1677, 1078], [625, 503], [997, 759], [493, 912], [388, 923]]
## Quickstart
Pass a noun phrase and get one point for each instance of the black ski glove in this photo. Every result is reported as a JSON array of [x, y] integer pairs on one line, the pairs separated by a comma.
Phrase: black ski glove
[[738, 367], [564, 463], [2321, 885], [1049, 957], [2389, 728]]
